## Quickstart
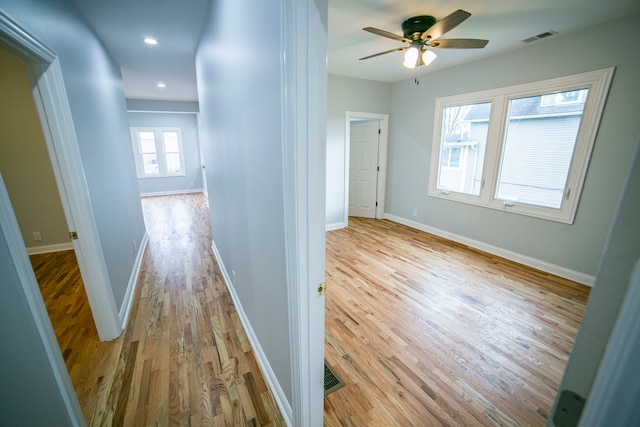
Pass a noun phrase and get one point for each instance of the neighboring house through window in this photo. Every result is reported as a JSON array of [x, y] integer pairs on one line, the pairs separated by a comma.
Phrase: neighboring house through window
[[523, 148], [158, 152]]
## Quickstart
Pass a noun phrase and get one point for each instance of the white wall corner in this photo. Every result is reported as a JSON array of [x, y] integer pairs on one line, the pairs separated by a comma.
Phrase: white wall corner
[[278, 394], [545, 266], [125, 309]]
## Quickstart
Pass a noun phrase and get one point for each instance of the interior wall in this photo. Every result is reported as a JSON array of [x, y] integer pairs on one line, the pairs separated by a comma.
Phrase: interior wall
[[240, 95], [576, 247], [188, 124], [347, 94], [24, 160], [96, 98]]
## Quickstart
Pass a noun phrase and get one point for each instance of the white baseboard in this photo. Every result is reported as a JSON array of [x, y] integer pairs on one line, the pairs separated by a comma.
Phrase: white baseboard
[[125, 309], [172, 193], [545, 266], [335, 226], [35, 250], [265, 367]]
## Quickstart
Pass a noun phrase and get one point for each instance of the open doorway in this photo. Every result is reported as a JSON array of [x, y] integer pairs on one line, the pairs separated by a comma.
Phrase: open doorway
[[35, 200], [47, 86], [365, 164]]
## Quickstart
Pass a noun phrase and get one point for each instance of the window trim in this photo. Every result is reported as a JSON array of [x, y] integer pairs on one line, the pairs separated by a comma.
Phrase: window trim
[[597, 82], [160, 152]]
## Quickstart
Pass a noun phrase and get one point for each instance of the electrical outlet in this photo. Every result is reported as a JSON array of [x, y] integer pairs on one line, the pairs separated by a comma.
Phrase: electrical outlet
[[37, 235], [414, 212]]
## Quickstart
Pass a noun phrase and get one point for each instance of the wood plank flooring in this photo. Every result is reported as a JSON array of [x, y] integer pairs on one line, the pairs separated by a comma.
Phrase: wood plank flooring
[[183, 358], [427, 332], [424, 331]]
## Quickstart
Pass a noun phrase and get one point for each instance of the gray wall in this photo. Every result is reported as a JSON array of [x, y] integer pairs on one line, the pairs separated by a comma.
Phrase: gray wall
[[347, 94], [24, 159], [240, 95], [151, 105], [188, 124], [96, 97], [576, 247]]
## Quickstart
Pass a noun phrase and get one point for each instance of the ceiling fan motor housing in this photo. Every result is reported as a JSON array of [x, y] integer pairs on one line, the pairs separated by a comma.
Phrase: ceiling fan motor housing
[[415, 26]]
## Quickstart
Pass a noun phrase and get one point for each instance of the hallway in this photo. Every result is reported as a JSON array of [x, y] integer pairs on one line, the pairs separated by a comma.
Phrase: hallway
[[183, 358]]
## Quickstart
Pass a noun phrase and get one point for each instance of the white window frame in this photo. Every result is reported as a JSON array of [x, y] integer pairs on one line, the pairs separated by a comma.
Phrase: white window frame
[[160, 151], [597, 82]]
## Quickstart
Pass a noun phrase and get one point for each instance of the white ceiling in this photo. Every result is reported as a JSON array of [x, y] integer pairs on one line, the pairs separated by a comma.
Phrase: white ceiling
[[122, 25]]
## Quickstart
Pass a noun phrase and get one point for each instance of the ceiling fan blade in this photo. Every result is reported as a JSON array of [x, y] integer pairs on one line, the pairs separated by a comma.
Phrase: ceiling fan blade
[[386, 34], [459, 43], [444, 25], [384, 53]]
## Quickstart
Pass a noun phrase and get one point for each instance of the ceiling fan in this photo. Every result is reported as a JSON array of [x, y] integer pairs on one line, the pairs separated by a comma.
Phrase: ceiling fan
[[422, 33]]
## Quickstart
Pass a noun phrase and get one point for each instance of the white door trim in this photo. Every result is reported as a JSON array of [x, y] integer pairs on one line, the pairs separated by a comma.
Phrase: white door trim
[[9, 228], [45, 75], [304, 126], [383, 119], [615, 389]]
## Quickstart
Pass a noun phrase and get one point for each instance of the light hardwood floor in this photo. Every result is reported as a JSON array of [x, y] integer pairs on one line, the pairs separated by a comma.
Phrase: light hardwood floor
[[183, 358], [427, 332], [423, 330]]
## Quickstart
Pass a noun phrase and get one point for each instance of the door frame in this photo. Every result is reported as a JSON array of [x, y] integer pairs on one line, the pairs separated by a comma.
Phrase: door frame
[[9, 228], [383, 120], [50, 97], [304, 127]]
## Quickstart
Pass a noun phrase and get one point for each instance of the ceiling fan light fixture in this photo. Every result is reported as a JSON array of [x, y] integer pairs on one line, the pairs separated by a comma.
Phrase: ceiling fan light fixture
[[411, 57], [428, 56]]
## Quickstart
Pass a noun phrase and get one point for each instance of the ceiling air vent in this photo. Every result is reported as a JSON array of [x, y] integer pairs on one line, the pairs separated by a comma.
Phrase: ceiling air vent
[[540, 36]]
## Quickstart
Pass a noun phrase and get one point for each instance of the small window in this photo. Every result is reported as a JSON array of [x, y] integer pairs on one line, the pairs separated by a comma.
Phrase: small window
[[523, 149], [451, 157], [158, 152], [568, 97]]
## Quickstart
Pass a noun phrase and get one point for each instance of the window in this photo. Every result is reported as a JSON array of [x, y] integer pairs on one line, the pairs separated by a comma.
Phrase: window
[[158, 152], [450, 156], [567, 97], [523, 149], [464, 134]]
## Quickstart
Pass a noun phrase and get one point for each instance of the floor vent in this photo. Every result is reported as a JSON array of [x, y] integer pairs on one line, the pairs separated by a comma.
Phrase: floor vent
[[332, 381]]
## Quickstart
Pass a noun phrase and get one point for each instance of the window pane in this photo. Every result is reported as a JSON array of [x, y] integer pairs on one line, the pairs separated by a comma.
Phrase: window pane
[[170, 142], [147, 135], [173, 163], [150, 162], [464, 140], [148, 146], [147, 141], [538, 147]]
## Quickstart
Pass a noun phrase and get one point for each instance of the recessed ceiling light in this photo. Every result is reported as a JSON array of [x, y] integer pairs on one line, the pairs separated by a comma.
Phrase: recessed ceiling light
[[161, 85], [150, 40]]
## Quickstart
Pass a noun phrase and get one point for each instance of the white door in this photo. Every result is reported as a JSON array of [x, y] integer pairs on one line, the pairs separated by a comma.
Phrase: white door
[[363, 168]]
